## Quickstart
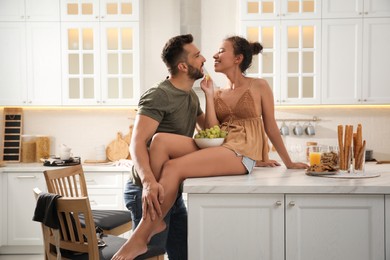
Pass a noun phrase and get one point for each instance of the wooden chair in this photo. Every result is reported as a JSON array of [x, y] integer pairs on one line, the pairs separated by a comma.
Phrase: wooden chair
[[77, 238], [70, 182]]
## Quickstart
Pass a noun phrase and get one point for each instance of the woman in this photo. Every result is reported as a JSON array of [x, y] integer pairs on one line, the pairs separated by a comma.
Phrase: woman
[[245, 108]]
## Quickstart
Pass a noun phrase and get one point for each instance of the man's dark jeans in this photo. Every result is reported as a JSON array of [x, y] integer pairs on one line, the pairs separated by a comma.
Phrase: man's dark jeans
[[174, 237]]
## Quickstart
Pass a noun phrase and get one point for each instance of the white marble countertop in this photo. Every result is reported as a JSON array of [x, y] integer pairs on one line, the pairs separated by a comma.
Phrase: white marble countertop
[[281, 180], [36, 167]]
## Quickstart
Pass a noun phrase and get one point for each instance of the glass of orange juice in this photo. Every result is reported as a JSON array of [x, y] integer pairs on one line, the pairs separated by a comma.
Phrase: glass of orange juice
[[315, 155]]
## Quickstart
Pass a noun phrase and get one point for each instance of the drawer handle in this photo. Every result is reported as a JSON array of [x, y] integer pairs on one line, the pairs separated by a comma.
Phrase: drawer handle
[[90, 180], [278, 203], [93, 202], [292, 203], [27, 177]]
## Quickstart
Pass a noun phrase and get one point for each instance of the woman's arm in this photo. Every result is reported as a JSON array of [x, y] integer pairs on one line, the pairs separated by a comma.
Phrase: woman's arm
[[207, 86], [271, 128]]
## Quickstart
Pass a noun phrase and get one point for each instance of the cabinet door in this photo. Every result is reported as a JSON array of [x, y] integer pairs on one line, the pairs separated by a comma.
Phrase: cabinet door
[[13, 85], [217, 221], [280, 9], [20, 210], [119, 63], [81, 61], [387, 224], [79, 10], [267, 64], [12, 10], [376, 61], [342, 9], [44, 63], [342, 61], [119, 10], [376, 8], [42, 10], [335, 227], [300, 59]]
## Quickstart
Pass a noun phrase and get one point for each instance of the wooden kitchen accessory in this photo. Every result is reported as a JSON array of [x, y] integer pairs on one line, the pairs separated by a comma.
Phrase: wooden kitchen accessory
[[117, 149], [351, 146], [13, 129], [127, 138]]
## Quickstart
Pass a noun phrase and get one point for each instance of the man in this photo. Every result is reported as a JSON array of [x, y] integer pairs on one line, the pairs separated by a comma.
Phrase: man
[[172, 106]]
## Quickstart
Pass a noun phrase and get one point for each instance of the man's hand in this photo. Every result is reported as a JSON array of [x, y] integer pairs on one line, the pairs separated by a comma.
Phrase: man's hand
[[152, 198]]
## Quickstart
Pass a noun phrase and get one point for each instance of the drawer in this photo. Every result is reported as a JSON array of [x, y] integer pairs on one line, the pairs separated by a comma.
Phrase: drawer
[[103, 180], [106, 199]]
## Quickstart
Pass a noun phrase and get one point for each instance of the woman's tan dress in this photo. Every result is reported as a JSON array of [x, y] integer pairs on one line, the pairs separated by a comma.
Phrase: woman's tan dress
[[245, 127]]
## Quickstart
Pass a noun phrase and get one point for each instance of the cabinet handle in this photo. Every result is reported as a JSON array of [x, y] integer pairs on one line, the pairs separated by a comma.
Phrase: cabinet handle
[[93, 202], [360, 13], [26, 177], [292, 203], [365, 12], [22, 17], [102, 16], [364, 100], [278, 203], [89, 180], [283, 14]]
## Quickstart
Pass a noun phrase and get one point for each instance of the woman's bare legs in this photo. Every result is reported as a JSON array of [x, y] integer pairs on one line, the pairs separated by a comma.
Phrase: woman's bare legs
[[216, 161], [166, 146]]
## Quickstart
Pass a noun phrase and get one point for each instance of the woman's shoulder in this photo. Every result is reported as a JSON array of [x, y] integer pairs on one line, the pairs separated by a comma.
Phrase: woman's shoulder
[[259, 84]]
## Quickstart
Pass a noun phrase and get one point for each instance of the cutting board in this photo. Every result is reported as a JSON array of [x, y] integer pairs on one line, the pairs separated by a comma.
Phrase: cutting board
[[117, 149], [127, 138]]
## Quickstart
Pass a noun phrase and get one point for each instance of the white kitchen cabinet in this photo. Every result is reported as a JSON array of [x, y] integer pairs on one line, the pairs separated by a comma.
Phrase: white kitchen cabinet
[[103, 10], [326, 227], [387, 225], [279, 9], [291, 58], [30, 64], [105, 189], [355, 61], [355, 8], [29, 10], [21, 230], [228, 226], [305, 227], [101, 63]]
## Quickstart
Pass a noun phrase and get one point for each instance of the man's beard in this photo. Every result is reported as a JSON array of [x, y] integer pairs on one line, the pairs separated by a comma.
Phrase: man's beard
[[194, 73]]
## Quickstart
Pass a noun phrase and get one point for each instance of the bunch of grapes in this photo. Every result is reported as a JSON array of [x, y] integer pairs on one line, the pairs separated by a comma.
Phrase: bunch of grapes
[[213, 132]]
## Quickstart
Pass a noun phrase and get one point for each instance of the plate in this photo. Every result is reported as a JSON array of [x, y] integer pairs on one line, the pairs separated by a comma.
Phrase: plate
[[360, 175], [311, 173]]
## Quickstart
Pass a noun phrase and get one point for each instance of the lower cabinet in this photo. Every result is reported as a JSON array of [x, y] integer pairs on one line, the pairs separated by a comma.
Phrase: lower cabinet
[[17, 228], [21, 230], [286, 226]]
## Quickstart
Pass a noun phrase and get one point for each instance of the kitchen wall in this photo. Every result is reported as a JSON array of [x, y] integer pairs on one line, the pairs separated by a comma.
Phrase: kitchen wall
[[84, 128]]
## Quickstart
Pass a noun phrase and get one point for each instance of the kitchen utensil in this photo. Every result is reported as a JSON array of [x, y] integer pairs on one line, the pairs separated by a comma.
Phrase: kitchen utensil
[[11, 140], [369, 154], [117, 149], [298, 129], [284, 129], [127, 138], [43, 147], [310, 130], [382, 162]]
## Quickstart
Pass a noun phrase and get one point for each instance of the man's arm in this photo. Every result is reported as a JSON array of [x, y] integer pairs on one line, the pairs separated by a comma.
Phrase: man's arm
[[144, 128]]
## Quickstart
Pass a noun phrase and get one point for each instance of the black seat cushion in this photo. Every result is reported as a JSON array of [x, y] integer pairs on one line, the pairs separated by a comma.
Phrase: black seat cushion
[[109, 219], [113, 244]]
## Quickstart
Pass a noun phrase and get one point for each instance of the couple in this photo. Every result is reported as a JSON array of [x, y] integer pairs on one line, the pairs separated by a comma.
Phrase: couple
[[164, 153]]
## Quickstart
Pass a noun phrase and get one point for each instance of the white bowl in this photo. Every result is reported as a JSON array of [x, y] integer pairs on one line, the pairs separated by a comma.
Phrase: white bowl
[[208, 142]]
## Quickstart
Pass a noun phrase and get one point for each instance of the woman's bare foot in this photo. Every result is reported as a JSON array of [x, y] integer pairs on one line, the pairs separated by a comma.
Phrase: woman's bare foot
[[136, 245]]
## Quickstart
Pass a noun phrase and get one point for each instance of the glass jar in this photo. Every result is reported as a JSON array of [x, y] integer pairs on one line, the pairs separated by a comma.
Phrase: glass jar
[[308, 145]]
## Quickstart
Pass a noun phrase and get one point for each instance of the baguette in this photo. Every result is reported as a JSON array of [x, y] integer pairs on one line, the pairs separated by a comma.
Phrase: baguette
[[341, 146]]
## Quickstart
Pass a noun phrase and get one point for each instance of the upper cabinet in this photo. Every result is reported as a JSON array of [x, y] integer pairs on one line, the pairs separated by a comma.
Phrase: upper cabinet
[[321, 52], [29, 10], [103, 10], [291, 57], [30, 49], [100, 52], [280, 9], [355, 58], [355, 8]]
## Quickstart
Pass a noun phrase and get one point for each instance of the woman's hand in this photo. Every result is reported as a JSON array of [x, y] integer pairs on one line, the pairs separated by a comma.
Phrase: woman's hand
[[207, 85], [269, 163], [152, 198], [297, 165]]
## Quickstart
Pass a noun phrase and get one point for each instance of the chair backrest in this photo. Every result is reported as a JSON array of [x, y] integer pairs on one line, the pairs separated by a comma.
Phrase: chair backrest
[[68, 181], [74, 235]]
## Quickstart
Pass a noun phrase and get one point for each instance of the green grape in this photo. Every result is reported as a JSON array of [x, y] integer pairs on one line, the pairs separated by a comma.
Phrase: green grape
[[212, 132]]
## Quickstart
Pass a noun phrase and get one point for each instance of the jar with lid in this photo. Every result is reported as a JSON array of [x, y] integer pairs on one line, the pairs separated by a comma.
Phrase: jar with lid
[[308, 145], [28, 148]]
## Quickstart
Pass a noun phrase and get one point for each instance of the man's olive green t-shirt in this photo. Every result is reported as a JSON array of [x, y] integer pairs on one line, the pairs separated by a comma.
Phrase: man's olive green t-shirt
[[176, 111]]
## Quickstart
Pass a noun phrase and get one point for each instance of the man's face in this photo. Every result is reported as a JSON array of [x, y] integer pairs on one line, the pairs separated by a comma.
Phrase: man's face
[[194, 62]]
